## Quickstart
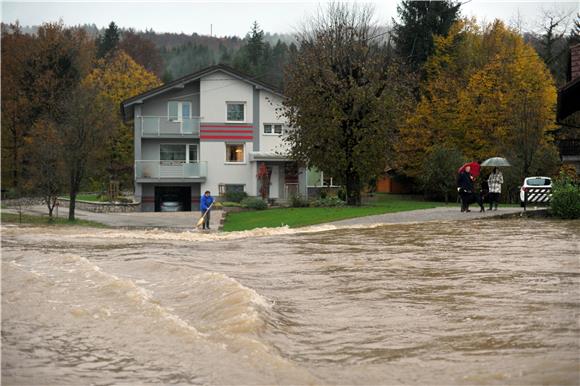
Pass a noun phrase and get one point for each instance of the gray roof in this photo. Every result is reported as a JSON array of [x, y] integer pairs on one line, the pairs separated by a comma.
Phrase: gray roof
[[128, 105]]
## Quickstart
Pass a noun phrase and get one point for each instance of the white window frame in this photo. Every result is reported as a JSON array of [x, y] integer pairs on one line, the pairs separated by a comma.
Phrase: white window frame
[[273, 133], [236, 103], [187, 145], [179, 111], [226, 144]]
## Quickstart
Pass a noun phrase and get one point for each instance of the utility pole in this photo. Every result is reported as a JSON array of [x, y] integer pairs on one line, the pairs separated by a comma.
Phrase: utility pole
[[211, 30]]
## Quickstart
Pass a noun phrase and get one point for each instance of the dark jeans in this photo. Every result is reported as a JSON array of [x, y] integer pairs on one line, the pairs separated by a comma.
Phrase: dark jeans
[[493, 199], [206, 219]]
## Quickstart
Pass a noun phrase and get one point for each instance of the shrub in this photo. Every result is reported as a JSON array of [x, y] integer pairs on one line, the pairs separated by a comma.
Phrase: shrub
[[254, 203], [565, 202], [297, 201], [327, 202], [235, 196]]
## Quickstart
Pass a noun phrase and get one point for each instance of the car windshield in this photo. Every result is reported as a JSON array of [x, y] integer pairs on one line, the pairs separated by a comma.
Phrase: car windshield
[[539, 182]]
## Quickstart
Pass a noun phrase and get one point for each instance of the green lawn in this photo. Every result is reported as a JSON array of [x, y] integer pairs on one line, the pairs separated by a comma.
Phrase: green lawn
[[297, 217], [44, 220]]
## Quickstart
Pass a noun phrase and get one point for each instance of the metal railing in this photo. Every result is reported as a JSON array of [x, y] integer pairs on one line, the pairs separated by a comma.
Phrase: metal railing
[[157, 126], [170, 169]]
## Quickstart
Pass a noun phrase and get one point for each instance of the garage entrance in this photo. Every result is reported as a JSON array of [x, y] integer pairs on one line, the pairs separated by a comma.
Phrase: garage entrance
[[172, 198]]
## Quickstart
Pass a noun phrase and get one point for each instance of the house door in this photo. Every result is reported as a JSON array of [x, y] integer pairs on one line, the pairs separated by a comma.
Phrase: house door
[[275, 182]]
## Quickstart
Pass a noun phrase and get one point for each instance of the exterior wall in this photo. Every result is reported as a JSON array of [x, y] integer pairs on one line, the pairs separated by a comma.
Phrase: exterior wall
[[208, 97], [217, 89], [157, 106], [220, 172], [575, 62], [270, 143]]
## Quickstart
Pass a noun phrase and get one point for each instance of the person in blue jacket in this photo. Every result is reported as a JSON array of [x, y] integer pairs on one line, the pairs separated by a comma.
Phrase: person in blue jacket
[[205, 205]]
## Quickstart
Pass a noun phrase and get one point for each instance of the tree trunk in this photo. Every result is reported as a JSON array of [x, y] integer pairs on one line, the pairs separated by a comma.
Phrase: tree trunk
[[352, 188], [71, 207]]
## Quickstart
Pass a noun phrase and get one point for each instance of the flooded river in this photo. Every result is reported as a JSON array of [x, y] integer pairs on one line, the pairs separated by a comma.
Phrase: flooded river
[[479, 302]]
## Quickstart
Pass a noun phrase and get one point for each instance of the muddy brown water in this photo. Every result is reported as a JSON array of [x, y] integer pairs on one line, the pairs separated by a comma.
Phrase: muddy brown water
[[477, 302]]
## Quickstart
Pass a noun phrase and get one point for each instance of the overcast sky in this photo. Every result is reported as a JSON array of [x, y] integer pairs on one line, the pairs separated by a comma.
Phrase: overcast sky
[[235, 17]]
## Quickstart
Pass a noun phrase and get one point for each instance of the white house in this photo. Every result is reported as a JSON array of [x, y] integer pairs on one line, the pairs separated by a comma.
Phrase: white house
[[209, 131]]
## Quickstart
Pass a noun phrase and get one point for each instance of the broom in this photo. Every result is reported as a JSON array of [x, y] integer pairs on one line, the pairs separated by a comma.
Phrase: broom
[[202, 218]]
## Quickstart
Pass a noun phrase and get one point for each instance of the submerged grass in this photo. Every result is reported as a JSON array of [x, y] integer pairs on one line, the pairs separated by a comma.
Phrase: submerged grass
[[27, 219], [298, 217]]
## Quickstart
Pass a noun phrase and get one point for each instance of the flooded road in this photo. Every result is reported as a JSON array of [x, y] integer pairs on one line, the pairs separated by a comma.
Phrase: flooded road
[[478, 302]]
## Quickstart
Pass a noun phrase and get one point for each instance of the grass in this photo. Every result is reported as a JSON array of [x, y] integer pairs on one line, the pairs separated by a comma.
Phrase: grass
[[298, 217], [27, 219]]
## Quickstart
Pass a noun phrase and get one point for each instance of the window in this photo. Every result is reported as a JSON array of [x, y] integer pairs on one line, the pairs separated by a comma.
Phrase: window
[[178, 111], [272, 128], [234, 188], [234, 153], [235, 111], [172, 152], [175, 152], [316, 178]]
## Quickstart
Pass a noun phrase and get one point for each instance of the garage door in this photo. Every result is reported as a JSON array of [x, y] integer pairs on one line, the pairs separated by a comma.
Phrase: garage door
[[172, 198]]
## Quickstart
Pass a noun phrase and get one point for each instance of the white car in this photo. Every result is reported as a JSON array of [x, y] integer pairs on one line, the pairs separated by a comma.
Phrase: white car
[[534, 197], [171, 203]]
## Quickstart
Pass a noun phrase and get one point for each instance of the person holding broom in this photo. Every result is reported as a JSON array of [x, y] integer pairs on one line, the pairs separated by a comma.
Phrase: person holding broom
[[205, 205]]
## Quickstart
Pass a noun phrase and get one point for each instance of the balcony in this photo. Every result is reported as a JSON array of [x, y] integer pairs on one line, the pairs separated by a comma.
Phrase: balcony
[[170, 171], [165, 126]]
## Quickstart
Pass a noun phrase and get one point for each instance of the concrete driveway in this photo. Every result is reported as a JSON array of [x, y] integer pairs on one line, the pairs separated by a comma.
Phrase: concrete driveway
[[177, 220], [451, 212]]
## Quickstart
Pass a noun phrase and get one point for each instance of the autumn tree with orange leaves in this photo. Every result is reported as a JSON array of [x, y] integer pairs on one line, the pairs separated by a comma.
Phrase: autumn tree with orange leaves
[[487, 93]]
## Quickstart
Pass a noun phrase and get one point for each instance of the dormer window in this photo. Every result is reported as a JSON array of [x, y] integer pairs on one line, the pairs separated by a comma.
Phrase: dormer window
[[236, 111]]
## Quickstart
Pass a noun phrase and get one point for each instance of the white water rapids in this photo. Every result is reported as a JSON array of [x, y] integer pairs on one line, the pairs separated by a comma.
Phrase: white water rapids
[[473, 302]]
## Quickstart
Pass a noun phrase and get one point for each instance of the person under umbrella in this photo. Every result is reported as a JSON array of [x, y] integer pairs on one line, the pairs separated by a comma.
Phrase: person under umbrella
[[466, 190], [494, 182]]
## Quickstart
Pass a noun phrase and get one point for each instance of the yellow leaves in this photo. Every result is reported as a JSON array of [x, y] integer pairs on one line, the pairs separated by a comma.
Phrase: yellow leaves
[[487, 92], [121, 78]]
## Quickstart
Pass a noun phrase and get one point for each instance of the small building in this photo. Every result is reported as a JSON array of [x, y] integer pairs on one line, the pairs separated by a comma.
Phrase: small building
[[210, 130], [568, 112]]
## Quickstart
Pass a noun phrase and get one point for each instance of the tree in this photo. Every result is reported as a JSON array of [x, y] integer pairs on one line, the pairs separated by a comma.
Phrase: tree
[[439, 171], [117, 79], [40, 71], [142, 51], [109, 41], [344, 98], [49, 169], [435, 121], [87, 127], [487, 93], [575, 31], [16, 106], [255, 44], [420, 22]]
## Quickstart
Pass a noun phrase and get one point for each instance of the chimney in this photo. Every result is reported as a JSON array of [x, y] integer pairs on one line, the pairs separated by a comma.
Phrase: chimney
[[575, 62]]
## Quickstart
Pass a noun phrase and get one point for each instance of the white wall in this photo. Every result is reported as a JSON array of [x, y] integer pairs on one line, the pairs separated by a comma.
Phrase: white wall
[[268, 104], [217, 89], [220, 172]]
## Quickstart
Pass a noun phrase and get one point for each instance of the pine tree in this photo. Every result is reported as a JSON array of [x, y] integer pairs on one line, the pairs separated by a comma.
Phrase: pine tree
[[255, 44], [108, 42], [420, 21]]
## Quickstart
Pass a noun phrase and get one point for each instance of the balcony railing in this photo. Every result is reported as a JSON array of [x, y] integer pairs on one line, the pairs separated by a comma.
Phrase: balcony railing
[[170, 169], [156, 126]]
